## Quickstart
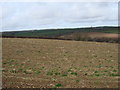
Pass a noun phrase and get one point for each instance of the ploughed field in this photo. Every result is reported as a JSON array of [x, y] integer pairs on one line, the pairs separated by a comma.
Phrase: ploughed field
[[45, 63]]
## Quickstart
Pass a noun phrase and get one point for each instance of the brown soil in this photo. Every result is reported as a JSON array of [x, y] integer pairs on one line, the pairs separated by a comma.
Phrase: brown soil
[[105, 35], [42, 63], [92, 35]]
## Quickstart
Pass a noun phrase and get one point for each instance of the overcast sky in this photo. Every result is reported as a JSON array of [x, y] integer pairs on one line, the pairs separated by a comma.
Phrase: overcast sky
[[42, 15]]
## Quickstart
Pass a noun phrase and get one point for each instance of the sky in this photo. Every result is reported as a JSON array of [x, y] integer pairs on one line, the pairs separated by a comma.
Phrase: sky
[[16, 16]]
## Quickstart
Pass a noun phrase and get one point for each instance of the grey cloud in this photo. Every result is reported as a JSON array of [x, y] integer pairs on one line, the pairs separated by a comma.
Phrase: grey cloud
[[31, 15]]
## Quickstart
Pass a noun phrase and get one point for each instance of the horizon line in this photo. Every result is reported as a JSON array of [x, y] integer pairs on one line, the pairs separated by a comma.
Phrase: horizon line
[[57, 28]]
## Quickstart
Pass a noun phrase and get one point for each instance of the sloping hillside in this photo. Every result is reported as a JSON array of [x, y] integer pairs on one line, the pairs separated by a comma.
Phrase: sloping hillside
[[101, 34], [59, 32]]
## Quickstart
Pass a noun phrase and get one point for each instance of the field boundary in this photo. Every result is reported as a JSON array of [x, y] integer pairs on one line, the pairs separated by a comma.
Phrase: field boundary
[[107, 40]]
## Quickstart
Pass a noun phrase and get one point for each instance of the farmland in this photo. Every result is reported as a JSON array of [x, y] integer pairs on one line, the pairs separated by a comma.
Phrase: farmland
[[59, 32], [45, 63], [99, 34]]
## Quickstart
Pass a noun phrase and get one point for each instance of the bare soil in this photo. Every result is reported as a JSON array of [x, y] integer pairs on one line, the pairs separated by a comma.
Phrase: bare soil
[[45, 63], [93, 35], [103, 35]]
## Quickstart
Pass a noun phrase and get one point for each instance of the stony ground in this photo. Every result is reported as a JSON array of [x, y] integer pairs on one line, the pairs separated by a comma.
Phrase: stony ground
[[42, 63]]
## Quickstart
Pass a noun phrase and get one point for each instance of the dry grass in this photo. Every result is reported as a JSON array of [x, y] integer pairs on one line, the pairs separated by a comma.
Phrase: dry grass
[[37, 63]]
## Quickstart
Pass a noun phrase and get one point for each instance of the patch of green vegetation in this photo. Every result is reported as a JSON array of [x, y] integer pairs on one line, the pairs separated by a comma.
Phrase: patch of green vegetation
[[25, 72], [64, 75], [111, 66], [22, 64], [20, 69], [77, 81], [37, 72], [4, 63], [13, 71], [69, 70], [74, 73], [105, 71], [96, 72], [85, 66], [4, 70], [43, 67], [114, 70], [9, 62], [12, 65], [114, 74], [99, 66], [56, 73], [49, 73], [57, 85]]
